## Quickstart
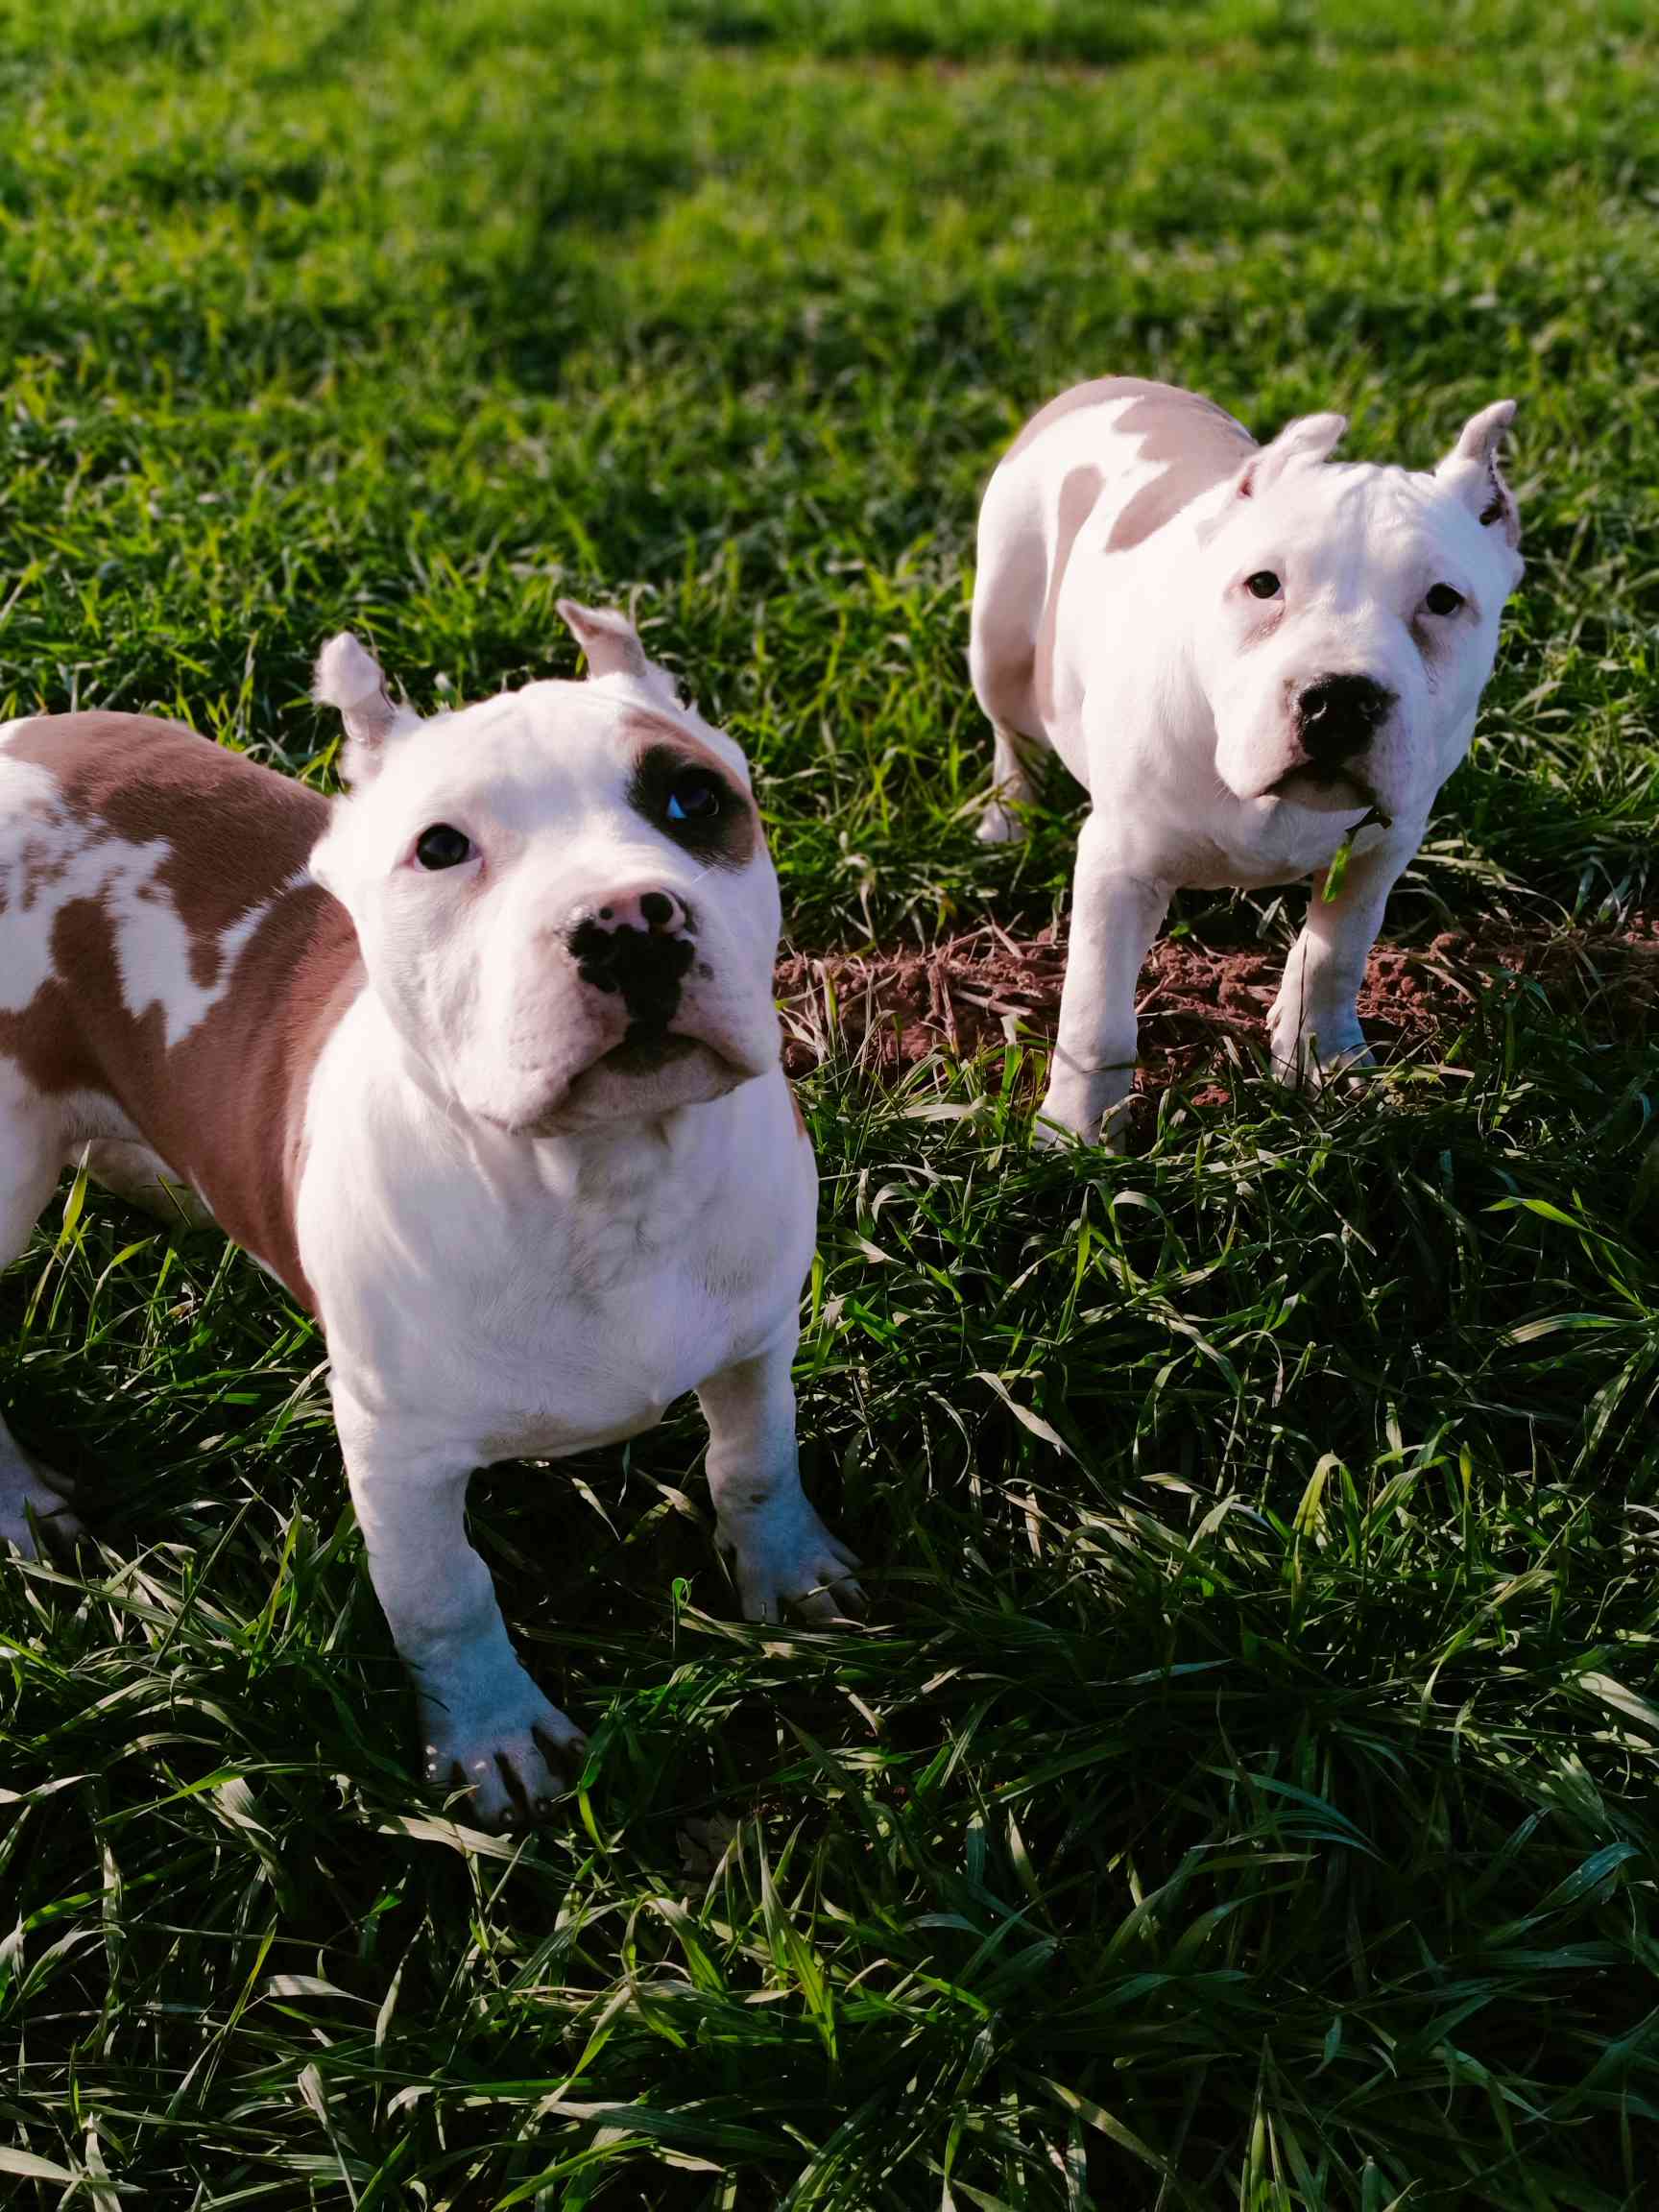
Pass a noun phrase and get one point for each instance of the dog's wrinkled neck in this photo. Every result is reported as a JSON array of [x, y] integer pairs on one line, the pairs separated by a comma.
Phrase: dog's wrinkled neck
[[637, 1181], [581, 1156]]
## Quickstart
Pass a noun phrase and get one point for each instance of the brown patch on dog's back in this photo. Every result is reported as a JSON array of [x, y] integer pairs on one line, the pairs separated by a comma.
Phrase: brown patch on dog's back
[[1162, 399], [1195, 445], [1199, 447], [1077, 496], [144, 780], [223, 1105]]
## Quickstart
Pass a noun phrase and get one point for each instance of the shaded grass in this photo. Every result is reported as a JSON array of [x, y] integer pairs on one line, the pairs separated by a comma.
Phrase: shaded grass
[[1244, 1794], [1248, 1776]]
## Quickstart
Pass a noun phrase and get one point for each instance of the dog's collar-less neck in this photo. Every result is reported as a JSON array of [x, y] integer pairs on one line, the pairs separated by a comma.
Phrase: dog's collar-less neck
[[609, 1151]]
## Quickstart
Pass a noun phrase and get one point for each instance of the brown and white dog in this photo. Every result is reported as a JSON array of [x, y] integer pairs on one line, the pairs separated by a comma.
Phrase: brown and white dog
[[1248, 655], [482, 1063]]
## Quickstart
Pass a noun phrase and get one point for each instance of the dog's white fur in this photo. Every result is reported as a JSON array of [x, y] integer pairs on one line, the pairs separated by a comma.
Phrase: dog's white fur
[[1170, 691], [516, 1246]]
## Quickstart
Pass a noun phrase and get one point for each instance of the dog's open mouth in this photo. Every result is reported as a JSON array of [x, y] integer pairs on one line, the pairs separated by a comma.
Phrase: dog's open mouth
[[652, 1070], [1326, 790]]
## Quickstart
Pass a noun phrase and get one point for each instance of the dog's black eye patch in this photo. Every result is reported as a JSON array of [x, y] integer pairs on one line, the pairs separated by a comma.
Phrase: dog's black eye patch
[[687, 797], [443, 847], [695, 796]]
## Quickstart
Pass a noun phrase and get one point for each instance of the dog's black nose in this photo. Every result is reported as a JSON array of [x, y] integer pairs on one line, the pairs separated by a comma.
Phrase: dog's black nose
[[1337, 716], [641, 907], [638, 942]]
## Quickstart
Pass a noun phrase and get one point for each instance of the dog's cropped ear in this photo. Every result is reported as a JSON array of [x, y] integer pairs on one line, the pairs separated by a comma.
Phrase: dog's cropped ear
[[349, 677], [1470, 470], [610, 640], [613, 648], [1308, 437]]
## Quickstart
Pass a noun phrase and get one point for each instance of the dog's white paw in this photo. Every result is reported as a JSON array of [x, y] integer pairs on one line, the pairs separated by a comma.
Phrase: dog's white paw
[[23, 1493], [1000, 824], [784, 1556], [1082, 1112], [1049, 1135], [1308, 1053], [515, 1756]]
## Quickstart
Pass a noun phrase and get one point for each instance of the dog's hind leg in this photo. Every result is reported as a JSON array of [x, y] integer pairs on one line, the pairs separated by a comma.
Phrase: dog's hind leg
[[144, 1179], [1014, 786], [1010, 587], [30, 1156]]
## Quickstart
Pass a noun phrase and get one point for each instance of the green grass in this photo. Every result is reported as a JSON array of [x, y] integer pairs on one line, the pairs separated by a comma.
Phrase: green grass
[[1244, 1794]]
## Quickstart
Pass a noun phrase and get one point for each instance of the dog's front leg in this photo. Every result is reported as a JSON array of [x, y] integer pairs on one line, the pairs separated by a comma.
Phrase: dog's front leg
[[483, 1722], [782, 1554], [1115, 917], [1314, 1021]]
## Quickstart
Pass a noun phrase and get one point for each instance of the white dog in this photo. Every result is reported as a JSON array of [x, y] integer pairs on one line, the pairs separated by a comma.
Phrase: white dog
[[482, 1063], [1246, 655]]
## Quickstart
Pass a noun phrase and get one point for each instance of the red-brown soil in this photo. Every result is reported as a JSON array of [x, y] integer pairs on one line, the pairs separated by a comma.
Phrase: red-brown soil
[[1202, 1008]]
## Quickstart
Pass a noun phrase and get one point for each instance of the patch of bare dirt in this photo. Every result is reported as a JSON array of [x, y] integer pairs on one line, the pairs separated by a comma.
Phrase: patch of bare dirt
[[1201, 1007]]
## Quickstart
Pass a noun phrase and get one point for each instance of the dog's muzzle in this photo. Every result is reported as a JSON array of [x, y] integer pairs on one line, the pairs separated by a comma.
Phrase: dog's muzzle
[[1337, 716], [638, 944]]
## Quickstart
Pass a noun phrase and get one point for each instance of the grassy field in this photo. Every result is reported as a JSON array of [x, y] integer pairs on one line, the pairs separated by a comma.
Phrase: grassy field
[[1244, 1793]]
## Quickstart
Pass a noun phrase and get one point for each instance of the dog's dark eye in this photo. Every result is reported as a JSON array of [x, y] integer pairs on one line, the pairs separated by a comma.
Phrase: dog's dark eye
[[441, 846], [693, 796], [1442, 599], [1264, 585]]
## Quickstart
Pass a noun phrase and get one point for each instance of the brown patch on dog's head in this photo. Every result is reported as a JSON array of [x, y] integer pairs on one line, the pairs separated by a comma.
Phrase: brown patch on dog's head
[[687, 792]]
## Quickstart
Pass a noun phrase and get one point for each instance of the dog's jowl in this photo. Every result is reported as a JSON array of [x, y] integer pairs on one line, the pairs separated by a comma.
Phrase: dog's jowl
[[1252, 659], [482, 1063]]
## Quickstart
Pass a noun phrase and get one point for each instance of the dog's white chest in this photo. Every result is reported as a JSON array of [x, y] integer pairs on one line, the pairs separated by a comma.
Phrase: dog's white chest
[[1253, 848], [544, 1298], [595, 1332]]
